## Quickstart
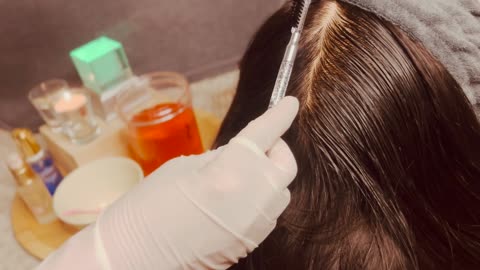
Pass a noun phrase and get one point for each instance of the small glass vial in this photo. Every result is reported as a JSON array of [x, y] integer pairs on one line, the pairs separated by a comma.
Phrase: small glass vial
[[31, 189], [37, 158]]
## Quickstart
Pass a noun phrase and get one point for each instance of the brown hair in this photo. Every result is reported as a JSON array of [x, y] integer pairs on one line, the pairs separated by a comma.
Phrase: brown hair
[[387, 145]]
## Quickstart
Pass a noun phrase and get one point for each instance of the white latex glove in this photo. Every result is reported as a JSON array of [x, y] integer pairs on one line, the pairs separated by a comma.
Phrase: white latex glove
[[206, 211], [199, 212]]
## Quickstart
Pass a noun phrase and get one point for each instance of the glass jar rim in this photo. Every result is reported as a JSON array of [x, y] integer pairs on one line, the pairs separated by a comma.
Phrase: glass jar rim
[[149, 79], [44, 87]]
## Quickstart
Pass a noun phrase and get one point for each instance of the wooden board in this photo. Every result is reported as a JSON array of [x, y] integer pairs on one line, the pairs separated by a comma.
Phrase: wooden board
[[40, 240], [208, 125]]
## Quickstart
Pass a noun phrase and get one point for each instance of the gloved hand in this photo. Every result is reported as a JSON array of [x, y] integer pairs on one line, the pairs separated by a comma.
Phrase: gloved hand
[[205, 211]]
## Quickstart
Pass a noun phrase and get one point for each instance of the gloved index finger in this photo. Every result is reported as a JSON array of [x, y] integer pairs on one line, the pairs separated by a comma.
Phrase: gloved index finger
[[267, 128]]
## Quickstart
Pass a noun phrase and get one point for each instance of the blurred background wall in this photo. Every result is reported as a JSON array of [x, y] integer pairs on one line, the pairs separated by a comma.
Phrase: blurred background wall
[[199, 38]]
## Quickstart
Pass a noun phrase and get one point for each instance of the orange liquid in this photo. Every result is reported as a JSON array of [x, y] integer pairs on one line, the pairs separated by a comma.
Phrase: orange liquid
[[156, 143]]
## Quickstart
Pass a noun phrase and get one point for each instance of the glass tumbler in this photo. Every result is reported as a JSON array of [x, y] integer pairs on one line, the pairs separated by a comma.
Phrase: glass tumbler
[[42, 97], [160, 121], [77, 118]]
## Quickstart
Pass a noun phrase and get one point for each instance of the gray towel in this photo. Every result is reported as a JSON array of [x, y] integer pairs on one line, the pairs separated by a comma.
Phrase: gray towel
[[449, 29]]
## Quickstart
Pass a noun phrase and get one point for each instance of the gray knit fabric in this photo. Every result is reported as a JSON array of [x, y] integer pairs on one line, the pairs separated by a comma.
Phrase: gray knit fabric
[[449, 29]]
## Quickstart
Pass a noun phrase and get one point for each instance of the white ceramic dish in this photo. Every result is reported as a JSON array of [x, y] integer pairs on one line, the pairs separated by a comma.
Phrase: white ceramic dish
[[94, 186]]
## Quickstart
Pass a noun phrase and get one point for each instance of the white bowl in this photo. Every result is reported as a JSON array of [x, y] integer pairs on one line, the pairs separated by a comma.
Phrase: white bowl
[[94, 186]]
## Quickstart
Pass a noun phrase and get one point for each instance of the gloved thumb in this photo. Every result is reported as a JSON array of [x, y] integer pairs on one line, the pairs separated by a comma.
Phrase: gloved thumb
[[265, 131]]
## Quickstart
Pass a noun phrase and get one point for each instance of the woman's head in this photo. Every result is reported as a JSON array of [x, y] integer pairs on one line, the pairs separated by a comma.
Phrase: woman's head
[[387, 144]]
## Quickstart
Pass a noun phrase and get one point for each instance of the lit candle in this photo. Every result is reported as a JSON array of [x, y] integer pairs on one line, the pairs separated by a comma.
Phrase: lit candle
[[70, 102]]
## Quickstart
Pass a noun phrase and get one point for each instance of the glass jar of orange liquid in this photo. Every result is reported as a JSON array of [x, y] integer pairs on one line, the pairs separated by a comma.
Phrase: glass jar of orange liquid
[[160, 121]]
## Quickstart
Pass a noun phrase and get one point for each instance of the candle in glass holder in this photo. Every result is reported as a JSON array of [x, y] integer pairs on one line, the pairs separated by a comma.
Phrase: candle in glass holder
[[43, 95], [78, 119]]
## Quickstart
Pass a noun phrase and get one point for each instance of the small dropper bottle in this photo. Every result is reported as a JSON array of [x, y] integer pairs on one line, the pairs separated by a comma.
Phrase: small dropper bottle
[[31, 189], [37, 158]]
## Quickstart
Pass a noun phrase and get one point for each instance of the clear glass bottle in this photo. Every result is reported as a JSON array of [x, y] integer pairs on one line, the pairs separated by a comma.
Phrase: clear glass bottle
[[31, 189]]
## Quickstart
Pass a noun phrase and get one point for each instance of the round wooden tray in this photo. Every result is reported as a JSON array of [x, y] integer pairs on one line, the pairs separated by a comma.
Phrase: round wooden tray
[[208, 125], [40, 240], [37, 239]]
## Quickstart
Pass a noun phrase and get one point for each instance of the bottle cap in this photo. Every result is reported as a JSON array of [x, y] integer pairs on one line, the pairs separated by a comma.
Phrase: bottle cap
[[14, 161], [25, 141], [20, 170]]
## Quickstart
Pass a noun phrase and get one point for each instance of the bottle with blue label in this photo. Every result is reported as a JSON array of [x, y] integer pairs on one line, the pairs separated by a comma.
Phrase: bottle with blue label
[[39, 159]]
